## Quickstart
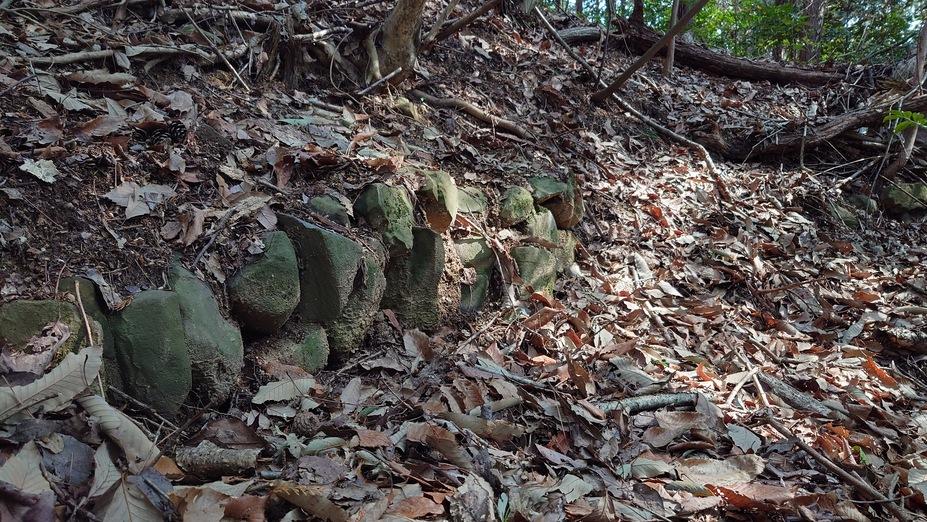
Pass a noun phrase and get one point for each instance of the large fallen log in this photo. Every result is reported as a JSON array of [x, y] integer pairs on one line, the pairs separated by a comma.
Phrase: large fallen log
[[638, 39]]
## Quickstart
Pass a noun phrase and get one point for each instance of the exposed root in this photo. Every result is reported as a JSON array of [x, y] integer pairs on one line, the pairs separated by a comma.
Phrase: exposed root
[[467, 107]]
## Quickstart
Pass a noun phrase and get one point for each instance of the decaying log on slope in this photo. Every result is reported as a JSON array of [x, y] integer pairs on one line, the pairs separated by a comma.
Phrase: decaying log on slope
[[638, 39], [791, 142]]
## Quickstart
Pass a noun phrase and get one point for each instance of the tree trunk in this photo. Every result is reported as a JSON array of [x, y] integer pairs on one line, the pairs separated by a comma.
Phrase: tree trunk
[[814, 10], [637, 14], [605, 93], [910, 134], [639, 39], [401, 36], [671, 47], [579, 7]]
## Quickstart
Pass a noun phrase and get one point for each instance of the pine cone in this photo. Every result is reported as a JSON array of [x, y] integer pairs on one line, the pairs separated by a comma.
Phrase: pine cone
[[305, 424]]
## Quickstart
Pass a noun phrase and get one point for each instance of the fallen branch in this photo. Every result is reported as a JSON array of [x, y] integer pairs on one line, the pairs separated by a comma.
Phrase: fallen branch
[[472, 110], [138, 50], [633, 405], [463, 21], [216, 50], [847, 478], [638, 39], [798, 399]]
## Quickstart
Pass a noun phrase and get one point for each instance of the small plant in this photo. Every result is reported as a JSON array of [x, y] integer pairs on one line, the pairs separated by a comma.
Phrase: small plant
[[905, 119]]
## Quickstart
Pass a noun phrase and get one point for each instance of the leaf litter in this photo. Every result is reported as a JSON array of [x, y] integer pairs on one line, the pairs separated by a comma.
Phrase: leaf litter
[[542, 409]]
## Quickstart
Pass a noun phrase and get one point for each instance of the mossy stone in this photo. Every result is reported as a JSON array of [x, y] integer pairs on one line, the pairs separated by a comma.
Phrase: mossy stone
[[265, 292], [331, 208], [564, 200], [474, 253], [472, 200], [388, 211], [517, 206], [413, 281], [543, 226], [94, 306], [24, 319], [299, 344], [328, 264], [439, 199], [899, 198], [537, 267], [151, 351], [346, 333], [565, 251], [213, 343]]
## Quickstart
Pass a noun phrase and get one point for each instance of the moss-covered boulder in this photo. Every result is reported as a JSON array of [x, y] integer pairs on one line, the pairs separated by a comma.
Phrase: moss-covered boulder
[[265, 292], [537, 267], [543, 226], [438, 198], [863, 202], [475, 255], [900, 198], [517, 206], [413, 281], [213, 343], [328, 265], [472, 200], [24, 319], [566, 250], [346, 333], [388, 211], [564, 200], [151, 351], [298, 344], [331, 208]]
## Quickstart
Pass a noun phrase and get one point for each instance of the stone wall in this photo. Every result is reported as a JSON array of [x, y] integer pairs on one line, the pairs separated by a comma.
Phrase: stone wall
[[311, 296]]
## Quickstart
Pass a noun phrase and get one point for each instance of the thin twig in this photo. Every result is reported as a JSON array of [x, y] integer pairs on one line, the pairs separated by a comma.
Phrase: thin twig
[[848, 478], [379, 82], [216, 50], [737, 387]]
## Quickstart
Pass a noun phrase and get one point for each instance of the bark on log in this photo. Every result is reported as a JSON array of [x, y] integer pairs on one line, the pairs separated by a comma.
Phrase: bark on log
[[638, 39], [790, 142]]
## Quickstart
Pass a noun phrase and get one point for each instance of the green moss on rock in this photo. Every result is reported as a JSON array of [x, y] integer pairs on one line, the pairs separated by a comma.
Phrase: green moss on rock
[[346, 333], [388, 211], [151, 351], [537, 268], [564, 200], [331, 208], [213, 343], [900, 198], [438, 198], [474, 253], [299, 344], [543, 226], [413, 280], [328, 265], [21, 320], [265, 292], [517, 206], [566, 250]]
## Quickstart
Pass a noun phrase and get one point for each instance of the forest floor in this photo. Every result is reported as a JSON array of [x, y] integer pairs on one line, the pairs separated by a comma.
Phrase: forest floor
[[764, 319]]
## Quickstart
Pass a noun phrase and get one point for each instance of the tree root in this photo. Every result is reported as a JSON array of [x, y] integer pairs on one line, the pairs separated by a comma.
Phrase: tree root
[[467, 107], [464, 21], [798, 399]]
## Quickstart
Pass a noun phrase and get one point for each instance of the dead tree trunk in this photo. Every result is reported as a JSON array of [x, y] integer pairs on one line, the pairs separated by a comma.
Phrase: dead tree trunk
[[638, 39]]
